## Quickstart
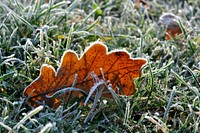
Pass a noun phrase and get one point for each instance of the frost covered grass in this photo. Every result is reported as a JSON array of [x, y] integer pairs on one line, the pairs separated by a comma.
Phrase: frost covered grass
[[36, 32]]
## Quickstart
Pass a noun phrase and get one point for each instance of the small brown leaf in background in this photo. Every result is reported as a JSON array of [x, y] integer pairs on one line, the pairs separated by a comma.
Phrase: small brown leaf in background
[[142, 2], [172, 26], [116, 66]]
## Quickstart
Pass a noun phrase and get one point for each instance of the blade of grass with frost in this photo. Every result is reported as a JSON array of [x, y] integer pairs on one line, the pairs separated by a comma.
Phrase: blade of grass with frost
[[28, 116], [116, 98], [6, 100], [73, 5], [45, 116], [12, 34], [76, 118], [47, 11], [41, 38], [68, 109], [168, 105], [93, 108], [151, 77], [97, 111], [157, 71], [17, 16], [36, 5], [153, 121], [69, 36], [114, 95], [26, 47], [84, 21], [140, 51], [180, 79], [4, 21], [10, 60], [92, 90], [99, 93], [7, 75], [160, 126], [195, 79], [93, 24], [127, 112], [182, 27], [192, 46], [6, 127], [19, 6], [194, 90], [64, 90], [196, 128], [47, 41], [46, 128], [187, 121], [60, 4], [25, 77]]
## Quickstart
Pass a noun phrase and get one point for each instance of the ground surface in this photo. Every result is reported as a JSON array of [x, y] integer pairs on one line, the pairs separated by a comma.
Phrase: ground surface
[[34, 32]]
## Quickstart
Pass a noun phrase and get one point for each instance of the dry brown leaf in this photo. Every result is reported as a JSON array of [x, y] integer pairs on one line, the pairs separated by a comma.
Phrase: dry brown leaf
[[142, 2], [172, 27], [116, 66]]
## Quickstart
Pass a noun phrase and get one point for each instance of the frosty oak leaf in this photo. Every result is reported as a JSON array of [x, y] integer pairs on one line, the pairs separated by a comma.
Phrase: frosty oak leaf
[[117, 67]]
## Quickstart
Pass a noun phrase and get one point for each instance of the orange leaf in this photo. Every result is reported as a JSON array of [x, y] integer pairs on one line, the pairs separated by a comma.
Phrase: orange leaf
[[172, 30], [142, 2], [116, 66], [172, 27]]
